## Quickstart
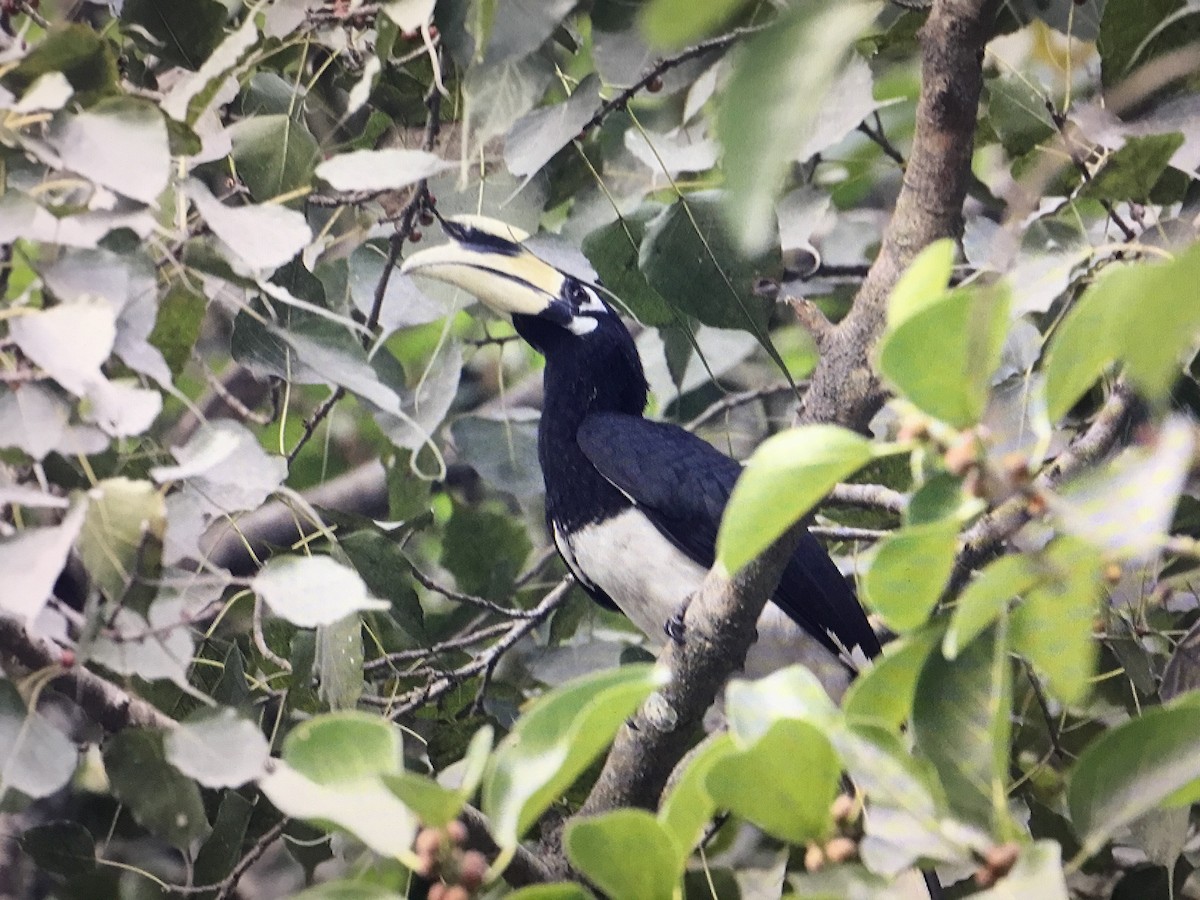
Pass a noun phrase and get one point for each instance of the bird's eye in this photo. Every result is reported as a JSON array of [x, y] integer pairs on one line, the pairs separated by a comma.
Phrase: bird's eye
[[574, 293]]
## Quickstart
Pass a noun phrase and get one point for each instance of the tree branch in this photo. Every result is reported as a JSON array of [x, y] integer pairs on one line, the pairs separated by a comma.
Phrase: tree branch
[[844, 387], [111, 707]]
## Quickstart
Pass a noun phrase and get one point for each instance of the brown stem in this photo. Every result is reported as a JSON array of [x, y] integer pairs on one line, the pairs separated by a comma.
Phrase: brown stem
[[844, 388]]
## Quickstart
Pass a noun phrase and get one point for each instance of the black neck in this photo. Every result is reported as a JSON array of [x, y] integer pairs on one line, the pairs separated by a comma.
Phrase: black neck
[[585, 374]]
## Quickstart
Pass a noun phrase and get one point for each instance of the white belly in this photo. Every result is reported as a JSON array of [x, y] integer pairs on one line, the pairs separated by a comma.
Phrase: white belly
[[649, 579]]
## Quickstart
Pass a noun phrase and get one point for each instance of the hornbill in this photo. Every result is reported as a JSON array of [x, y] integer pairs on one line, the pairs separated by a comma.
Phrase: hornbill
[[634, 505]]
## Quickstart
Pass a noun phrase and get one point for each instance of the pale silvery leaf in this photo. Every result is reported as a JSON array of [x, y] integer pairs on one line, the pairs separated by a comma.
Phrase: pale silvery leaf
[[50, 92], [194, 93], [187, 518], [121, 144], [538, 136], [127, 281], [673, 152], [226, 466], [720, 350], [32, 562], [363, 806], [494, 97], [361, 92], [312, 590], [27, 495], [133, 646], [121, 408], [339, 662], [223, 750], [425, 407], [69, 341], [37, 758], [800, 213], [379, 170], [33, 419], [404, 304], [848, 101], [262, 236], [409, 15]]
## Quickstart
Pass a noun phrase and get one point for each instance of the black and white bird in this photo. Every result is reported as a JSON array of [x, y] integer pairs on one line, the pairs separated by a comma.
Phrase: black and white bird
[[634, 505]]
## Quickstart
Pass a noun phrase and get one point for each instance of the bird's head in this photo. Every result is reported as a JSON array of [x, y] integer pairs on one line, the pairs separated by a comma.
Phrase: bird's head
[[489, 259]]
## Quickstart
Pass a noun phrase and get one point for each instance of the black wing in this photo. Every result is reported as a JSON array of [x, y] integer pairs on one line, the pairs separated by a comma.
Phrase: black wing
[[682, 484]]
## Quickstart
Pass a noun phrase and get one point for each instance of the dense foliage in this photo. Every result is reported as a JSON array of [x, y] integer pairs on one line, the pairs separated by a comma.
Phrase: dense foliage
[[275, 584]]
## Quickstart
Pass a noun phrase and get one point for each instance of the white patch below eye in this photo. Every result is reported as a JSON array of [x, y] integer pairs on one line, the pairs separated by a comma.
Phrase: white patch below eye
[[582, 325]]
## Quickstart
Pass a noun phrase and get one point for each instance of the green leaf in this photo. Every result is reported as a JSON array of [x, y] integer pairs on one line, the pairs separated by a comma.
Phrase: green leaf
[[79, 53], [343, 746], [312, 590], [1131, 172], [1017, 112], [348, 890], [690, 258], [435, 805], [538, 136], [797, 55], [785, 478], [554, 741], [331, 774], [942, 356], [61, 848], [219, 750], [883, 695], [613, 251], [909, 571], [1125, 507], [1132, 314], [177, 324], [123, 518], [162, 801], [1052, 627], [984, 599], [183, 32], [792, 694], [625, 853], [689, 807], [1038, 872], [907, 820], [1131, 34], [274, 155], [961, 721], [923, 283], [565, 891], [793, 803], [221, 852], [1132, 769], [378, 558], [670, 24], [438, 805], [484, 550]]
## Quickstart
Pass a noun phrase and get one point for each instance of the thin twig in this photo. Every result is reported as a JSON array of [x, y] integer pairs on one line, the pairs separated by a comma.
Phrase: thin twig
[[879, 137], [869, 496], [443, 684], [261, 642], [660, 68], [1060, 122], [253, 855], [846, 533], [469, 599], [741, 398], [389, 660]]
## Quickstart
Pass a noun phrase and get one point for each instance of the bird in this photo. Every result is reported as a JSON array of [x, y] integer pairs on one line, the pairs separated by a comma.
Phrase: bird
[[634, 505]]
